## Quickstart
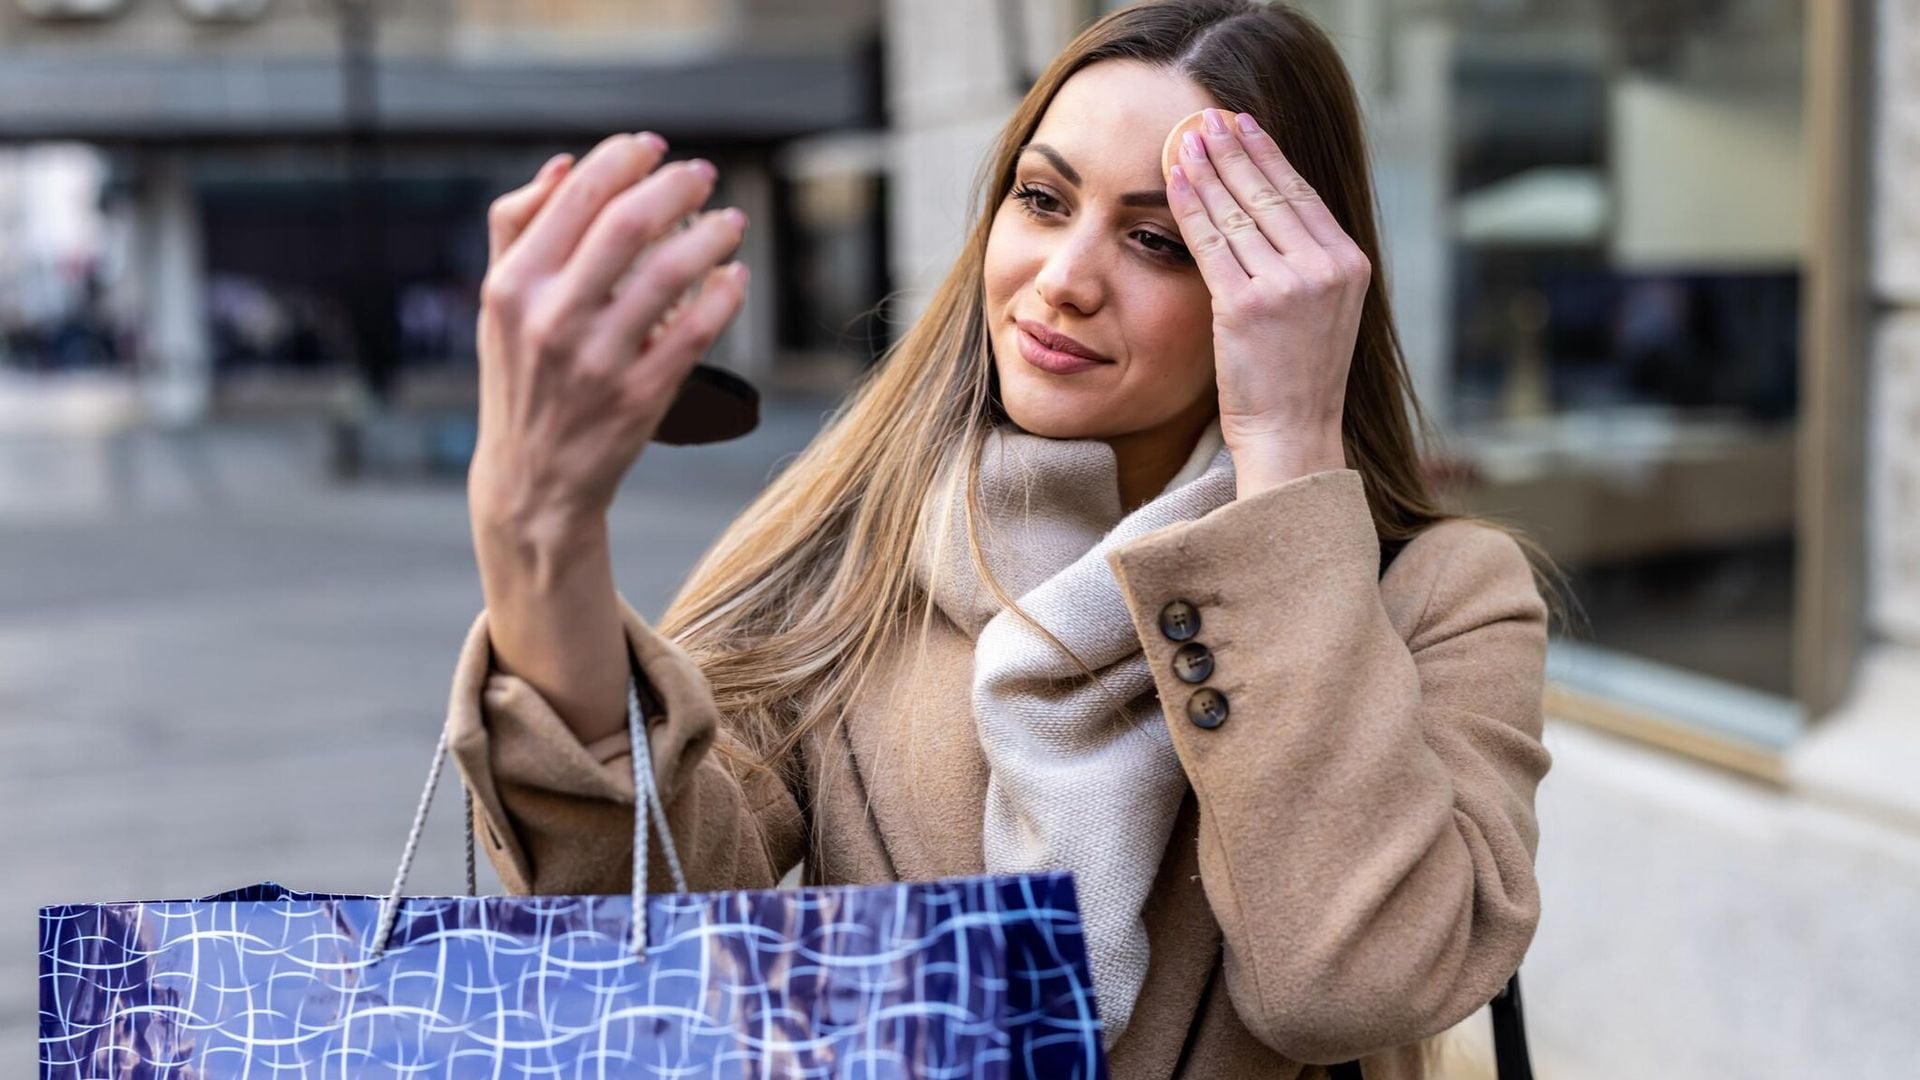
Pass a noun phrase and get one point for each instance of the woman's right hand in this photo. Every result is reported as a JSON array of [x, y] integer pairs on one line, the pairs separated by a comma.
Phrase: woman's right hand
[[575, 377], [582, 350]]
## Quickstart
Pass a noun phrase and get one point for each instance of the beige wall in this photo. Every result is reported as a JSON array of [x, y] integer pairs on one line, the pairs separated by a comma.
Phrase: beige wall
[[593, 28], [593, 12], [577, 29], [639, 28], [287, 27]]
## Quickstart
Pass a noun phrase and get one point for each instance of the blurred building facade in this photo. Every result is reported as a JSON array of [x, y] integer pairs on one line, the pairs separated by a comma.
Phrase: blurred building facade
[[296, 182]]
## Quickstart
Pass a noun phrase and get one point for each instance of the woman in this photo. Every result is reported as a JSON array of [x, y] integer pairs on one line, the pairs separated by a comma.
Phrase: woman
[[1118, 612]]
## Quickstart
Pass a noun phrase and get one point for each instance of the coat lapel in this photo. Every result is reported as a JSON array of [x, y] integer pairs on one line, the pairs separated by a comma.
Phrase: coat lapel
[[917, 749]]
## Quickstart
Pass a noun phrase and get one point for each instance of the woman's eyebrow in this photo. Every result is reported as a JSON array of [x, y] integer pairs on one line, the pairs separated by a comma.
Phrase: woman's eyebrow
[[1156, 197]]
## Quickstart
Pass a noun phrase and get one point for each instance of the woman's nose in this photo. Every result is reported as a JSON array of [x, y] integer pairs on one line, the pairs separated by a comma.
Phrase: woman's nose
[[1071, 276]]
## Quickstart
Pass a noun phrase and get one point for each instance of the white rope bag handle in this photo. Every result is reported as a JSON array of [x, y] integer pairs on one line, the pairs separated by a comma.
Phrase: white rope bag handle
[[646, 801]]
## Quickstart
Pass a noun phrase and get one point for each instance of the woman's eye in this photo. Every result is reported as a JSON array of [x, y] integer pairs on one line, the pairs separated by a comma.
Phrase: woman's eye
[[1031, 198], [1029, 195], [1171, 247]]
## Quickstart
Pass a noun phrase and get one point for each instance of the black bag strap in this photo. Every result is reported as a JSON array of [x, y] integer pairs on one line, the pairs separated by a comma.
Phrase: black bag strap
[[1509, 1034]]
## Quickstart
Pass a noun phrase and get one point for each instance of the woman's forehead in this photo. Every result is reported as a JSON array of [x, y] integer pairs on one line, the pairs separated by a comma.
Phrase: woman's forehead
[[1112, 118]]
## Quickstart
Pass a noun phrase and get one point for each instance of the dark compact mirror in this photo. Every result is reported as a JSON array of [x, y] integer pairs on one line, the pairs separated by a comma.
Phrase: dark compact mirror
[[714, 405]]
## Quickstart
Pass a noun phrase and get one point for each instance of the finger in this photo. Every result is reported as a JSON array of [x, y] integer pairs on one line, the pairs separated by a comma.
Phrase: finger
[[1258, 195], [1210, 249], [638, 218], [509, 214], [668, 272], [673, 349], [1251, 249], [618, 163], [1314, 213]]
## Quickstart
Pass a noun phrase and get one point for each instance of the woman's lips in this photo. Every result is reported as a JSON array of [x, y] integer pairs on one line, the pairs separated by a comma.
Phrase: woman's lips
[[1053, 360]]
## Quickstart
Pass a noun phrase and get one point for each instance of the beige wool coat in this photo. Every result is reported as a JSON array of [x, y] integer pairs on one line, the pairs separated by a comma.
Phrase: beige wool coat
[[1351, 873]]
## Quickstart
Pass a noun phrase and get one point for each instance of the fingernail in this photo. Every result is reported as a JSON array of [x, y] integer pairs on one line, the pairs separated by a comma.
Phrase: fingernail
[[652, 141], [705, 168], [1248, 124], [1179, 178], [1215, 122], [1193, 147], [734, 216]]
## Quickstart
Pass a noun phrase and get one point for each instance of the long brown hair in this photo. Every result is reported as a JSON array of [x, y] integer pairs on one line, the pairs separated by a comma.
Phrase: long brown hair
[[790, 608]]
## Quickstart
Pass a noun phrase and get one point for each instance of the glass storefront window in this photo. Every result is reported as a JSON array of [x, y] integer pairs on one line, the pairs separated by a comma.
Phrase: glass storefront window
[[1623, 193], [1595, 226]]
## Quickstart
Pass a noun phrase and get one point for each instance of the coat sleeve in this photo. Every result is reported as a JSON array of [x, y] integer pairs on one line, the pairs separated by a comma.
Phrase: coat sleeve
[[556, 816], [1367, 828]]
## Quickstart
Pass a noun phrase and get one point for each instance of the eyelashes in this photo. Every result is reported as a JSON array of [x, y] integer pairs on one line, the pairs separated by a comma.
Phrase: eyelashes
[[1173, 251]]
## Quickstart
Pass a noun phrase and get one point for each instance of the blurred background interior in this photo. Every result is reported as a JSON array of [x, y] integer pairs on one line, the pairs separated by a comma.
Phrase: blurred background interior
[[1656, 264]]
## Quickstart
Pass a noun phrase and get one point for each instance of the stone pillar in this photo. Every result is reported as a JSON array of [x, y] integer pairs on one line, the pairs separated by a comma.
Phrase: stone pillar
[[950, 84], [1893, 447], [1409, 118], [1893, 470], [749, 343], [177, 372]]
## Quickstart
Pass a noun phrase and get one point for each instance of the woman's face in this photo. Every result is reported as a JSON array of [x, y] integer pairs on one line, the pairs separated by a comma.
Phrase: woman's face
[[1084, 245]]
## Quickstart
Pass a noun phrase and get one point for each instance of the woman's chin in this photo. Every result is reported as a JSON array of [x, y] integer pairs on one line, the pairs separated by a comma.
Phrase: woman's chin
[[1055, 418]]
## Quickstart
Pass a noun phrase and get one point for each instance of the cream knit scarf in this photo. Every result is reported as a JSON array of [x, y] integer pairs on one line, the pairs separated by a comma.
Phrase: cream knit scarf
[[1074, 783]]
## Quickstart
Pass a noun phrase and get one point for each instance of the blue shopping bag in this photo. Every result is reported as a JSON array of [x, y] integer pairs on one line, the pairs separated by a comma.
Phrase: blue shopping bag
[[968, 977]]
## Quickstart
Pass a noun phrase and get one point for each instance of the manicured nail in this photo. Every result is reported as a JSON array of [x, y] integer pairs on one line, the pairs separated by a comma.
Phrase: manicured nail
[[652, 141], [705, 168], [1248, 124], [1192, 144], [1179, 177], [1215, 122]]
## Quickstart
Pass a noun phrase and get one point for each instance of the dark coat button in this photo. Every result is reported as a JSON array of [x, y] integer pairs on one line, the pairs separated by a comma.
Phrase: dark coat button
[[1193, 662], [1207, 708], [1179, 621]]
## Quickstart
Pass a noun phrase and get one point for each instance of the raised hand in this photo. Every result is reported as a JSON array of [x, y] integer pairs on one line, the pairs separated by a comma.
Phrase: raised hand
[[583, 348], [586, 333], [1287, 285]]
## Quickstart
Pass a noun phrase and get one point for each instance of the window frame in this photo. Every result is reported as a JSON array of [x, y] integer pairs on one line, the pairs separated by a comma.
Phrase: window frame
[[1830, 587]]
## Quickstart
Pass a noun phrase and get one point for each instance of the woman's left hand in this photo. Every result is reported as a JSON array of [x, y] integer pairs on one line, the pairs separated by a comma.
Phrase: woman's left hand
[[1287, 284]]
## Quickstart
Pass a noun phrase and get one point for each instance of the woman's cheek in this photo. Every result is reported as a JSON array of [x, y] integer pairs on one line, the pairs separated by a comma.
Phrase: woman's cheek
[[1182, 351], [1006, 261]]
